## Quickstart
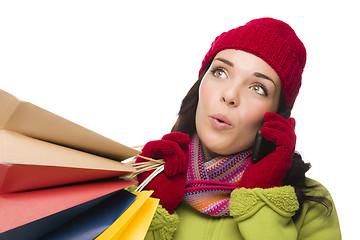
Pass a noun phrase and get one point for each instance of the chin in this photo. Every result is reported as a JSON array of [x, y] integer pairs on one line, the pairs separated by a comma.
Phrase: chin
[[229, 149], [224, 144]]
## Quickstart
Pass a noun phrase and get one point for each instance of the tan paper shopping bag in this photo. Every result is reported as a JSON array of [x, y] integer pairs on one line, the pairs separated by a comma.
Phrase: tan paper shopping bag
[[40, 149], [35, 122]]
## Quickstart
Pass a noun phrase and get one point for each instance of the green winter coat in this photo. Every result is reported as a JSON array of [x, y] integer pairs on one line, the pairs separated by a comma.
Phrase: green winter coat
[[255, 214]]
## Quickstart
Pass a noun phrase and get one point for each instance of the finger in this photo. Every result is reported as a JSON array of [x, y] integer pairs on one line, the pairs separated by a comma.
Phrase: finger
[[270, 134], [271, 116], [291, 122], [170, 152], [279, 137], [158, 149], [285, 128], [180, 138], [175, 163], [280, 126]]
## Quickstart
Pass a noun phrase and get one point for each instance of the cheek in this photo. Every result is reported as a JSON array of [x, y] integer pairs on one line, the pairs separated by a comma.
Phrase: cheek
[[206, 94], [201, 106], [256, 118], [252, 121], [206, 91], [245, 136]]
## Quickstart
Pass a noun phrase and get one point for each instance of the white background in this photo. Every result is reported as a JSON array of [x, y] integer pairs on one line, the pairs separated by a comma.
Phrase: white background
[[121, 68]]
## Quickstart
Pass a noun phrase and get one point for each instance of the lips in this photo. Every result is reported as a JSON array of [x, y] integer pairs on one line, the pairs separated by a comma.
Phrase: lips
[[220, 122]]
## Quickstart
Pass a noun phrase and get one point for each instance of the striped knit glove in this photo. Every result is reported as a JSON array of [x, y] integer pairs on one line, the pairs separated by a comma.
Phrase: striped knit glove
[[169, 185], [270, 171]]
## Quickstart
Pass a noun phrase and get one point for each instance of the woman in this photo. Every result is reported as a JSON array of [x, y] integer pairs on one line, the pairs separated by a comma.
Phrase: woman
[[210, 187]]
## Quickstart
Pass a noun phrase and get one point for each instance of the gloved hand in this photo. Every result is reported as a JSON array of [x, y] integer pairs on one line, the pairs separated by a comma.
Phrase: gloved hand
[[271, 170], [169, 185]]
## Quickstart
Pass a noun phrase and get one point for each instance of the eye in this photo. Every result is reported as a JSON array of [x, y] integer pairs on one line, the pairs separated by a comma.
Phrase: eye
[[219, 72], [259, 89]]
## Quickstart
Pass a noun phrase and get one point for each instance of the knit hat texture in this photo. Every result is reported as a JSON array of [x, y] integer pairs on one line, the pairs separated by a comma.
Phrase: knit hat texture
[[273, 41]]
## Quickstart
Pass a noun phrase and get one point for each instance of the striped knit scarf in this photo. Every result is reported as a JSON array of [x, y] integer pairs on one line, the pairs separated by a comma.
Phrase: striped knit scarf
[[210, 182]]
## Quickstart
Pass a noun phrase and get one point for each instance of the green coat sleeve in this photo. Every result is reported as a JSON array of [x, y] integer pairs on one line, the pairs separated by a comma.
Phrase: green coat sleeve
[[265, 213], [316, 220], [163, 225]]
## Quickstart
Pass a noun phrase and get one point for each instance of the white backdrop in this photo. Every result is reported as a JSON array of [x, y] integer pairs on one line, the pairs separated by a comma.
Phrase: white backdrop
[[121, 68]]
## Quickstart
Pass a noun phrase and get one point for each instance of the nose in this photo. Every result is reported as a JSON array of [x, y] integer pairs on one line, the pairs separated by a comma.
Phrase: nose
[[231, 97]]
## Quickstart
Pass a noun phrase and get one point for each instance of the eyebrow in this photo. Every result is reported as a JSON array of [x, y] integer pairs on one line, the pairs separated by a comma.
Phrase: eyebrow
[[227, 62], [260, 75]]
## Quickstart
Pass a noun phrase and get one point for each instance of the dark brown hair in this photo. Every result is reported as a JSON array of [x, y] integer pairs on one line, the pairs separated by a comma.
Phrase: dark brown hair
[[295, 176]]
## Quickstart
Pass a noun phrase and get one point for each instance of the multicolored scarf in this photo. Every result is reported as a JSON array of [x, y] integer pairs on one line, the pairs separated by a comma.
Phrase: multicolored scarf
[[210, 182]]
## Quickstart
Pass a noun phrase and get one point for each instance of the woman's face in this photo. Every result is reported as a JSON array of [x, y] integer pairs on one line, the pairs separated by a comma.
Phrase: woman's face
[[235, 93]]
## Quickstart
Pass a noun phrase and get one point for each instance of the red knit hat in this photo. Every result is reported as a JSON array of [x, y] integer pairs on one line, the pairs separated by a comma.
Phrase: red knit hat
[[273, 41]]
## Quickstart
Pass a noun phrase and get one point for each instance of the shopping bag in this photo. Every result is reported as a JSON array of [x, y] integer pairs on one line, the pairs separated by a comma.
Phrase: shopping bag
[[36, 213], [94, 221], [23, 177], [22, 158], [138, 227], [43, 157], [135, 221], [35, 142], [37, 123]]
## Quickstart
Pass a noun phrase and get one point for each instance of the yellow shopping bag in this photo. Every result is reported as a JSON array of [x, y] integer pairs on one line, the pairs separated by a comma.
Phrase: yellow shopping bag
[[135, 221]]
